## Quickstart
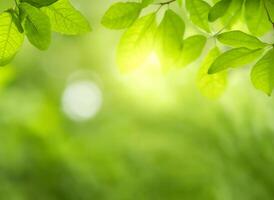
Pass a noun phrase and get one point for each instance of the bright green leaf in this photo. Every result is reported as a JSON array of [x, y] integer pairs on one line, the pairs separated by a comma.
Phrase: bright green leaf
[[240, 39], [37, 26], [145, 3], [262, 74], [256, 17], [121, 15], [137, 43], [10, 38], [211, 86], [180, 2], [169, 39], [269, 4], [198, 11], [192, 49], [66, 19], [218, 10], [234, 58]]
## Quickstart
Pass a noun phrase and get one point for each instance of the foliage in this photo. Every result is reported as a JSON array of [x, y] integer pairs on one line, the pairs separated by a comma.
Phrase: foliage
[[36, 19], [235, 26]]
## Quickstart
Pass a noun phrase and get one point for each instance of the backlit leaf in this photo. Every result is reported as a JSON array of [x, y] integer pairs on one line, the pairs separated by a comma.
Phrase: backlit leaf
[[10, 38], [218, 10], [198, 11], [169, 39], [137, 43], [211, 85], [65, 19], [121, 15], [262, 74], [234, 58], [192, 49], [256, 17], [37, 26], [240, 39]]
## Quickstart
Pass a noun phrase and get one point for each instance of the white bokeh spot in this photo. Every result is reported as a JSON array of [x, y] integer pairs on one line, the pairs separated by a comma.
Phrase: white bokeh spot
[[82, 100]]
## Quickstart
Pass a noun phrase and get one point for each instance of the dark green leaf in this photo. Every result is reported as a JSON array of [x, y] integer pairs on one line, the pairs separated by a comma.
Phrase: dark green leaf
[[39, 3]]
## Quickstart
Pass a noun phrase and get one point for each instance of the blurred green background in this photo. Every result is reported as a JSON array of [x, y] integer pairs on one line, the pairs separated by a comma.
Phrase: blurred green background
[[73, 128]]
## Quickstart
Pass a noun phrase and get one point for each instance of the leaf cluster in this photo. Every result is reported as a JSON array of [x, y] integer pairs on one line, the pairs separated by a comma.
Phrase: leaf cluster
[[36, 19], [235, 26]]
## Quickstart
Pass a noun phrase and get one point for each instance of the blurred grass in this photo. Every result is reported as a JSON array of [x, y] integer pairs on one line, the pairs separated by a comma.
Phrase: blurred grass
[[139, 146]]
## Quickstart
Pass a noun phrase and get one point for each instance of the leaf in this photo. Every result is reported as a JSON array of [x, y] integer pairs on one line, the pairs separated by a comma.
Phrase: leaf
[[262, 74], [37, 26], [121, 15], [234, 58], [145, 3], [10, 38], [39, 3], [192, 49], [240, 39], [180, 2], [65, 19], [269, 4], [233, 13], [256, 17], [137, 43], [169, 38], [211, 86], [198, 10], [218, 10]]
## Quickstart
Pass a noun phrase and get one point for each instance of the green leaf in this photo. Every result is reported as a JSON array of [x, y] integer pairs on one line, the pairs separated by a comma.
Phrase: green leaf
[[269, 4], [39, 3], [10, 38], [262, 74], [145, 3], [65, 19], [240, 39], [192, 49], [37, 26], [233, 13], [169, 38], [234, 58], [180, 2], [256, 17], [218, 10], [137, 43], [211, 85], [198, 10], [121, 15]]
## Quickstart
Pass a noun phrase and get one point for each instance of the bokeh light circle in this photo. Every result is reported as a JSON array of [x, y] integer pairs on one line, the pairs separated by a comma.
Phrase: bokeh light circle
[[82, 100]]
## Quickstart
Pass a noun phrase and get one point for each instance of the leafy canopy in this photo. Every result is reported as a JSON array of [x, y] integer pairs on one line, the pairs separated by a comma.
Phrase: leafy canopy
[[36, 19], [236, 28]]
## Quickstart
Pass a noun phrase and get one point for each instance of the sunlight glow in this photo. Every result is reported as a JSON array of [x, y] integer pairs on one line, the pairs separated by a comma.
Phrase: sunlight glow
[[148, 84], [82, 100]]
